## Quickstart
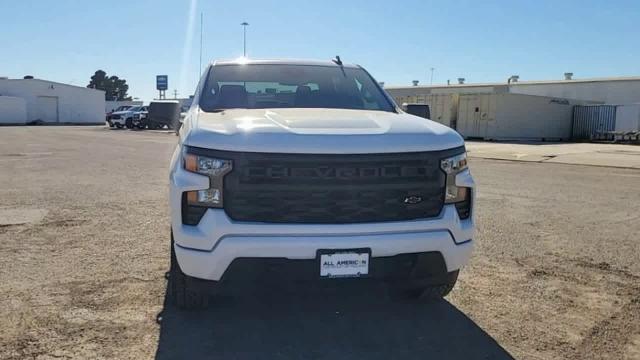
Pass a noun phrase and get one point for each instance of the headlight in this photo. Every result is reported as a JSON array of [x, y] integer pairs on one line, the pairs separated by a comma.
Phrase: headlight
[[215, 169], [461, 196], [206, 165], [454, 164]]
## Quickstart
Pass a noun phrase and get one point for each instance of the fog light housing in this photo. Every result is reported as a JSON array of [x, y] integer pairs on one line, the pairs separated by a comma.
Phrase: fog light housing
[[463, 207], [455, 194], [208, 197], [191, 214]]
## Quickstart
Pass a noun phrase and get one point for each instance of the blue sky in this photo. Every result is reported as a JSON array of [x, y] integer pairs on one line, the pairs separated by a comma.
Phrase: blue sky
[[397, 41]]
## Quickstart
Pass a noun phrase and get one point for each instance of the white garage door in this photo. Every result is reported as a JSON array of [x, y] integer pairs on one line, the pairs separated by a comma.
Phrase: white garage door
[[47, 108]]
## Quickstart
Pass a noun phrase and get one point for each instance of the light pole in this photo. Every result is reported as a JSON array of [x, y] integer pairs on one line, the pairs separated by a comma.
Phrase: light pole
[[200, 69], [244, 27], [432, 75]]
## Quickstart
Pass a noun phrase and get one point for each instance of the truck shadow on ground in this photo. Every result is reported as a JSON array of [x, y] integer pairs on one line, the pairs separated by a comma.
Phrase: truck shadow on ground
[[332, 322]]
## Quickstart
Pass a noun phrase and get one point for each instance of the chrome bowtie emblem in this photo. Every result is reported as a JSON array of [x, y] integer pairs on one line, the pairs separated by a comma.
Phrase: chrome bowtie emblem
[[411, 200]]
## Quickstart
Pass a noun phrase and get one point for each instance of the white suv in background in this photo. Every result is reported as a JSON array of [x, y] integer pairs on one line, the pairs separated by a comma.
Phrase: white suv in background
[[307, 170], [126, 117]]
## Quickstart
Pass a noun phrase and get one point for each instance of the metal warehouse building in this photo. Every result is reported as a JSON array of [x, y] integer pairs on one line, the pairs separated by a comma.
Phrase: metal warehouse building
[[28, 100], [541, 110], [621, 90]]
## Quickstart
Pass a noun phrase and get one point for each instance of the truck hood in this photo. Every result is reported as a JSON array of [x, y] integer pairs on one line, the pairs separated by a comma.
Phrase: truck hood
[[317, 131]]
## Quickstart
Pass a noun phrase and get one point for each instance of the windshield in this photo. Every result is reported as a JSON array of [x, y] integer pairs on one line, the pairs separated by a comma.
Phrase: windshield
[[262, 86], [135, 108]]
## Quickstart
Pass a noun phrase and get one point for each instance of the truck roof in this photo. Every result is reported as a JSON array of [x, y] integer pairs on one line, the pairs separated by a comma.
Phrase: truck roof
[[242, 61]]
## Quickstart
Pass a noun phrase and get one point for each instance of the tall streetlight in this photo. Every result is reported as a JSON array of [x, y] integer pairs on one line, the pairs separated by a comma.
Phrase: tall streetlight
[[432, 75], [244, 27], [200, 69]]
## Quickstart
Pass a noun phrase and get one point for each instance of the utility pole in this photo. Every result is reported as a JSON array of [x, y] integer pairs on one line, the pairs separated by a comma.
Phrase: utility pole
[[432, 75], [175, 93], [244, 46]]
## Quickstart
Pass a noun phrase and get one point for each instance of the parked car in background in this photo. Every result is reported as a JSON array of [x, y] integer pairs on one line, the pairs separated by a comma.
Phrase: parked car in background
[[124, 118], [118, 109], [140, 118]]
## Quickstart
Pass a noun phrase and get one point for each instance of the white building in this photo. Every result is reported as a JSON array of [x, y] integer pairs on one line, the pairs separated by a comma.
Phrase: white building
[[614, 90], [27, 100], [515, 117], [523, 109]]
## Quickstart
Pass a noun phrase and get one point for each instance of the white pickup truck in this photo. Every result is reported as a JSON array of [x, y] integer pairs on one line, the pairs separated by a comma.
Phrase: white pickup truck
[[307, 170], [127, 117]]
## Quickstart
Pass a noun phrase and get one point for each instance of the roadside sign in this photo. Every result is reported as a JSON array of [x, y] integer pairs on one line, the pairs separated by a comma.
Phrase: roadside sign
[[162, 82]]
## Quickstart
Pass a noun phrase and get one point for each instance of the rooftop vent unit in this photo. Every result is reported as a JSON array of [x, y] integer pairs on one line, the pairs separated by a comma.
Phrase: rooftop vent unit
[[28, 77], [415, 82], [461, 81], [514, 78], [568, 76]]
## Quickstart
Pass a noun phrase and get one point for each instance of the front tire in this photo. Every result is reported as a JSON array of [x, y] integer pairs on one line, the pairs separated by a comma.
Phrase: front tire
[[129, 123], [184, 294], [430, 292], [440, 291], [119, 126]]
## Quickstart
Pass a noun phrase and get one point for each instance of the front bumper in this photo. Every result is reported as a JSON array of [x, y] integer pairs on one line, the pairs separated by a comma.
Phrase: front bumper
[[137, 119], [206, 250]]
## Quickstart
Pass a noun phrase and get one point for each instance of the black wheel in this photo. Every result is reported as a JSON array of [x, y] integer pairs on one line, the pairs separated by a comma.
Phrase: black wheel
[[184, 294], [140, 126], [431, 292], [129, 123], [119, 126], [110, 123]]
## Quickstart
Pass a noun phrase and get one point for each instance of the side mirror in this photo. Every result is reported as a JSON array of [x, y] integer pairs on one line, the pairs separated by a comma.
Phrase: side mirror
[[421, 110]]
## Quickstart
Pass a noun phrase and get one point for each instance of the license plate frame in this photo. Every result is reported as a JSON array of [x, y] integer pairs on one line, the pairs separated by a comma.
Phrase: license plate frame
[[350, 270]]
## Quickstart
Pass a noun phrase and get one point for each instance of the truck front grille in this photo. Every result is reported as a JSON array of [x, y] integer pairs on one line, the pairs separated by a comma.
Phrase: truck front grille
[[323, 189]]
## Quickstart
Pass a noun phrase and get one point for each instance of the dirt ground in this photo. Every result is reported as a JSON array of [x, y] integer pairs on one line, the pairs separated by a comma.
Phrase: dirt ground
[[84, 247]]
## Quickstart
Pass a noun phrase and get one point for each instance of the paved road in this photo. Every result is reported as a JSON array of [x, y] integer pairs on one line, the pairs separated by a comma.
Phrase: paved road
[[84, 249], [609, 155]]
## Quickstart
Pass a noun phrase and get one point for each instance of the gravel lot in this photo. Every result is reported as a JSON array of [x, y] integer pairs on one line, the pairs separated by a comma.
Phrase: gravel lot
[[84, 240]]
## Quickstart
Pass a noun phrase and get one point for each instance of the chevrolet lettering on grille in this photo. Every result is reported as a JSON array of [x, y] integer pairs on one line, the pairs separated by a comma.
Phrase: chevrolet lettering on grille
[[335, 172]]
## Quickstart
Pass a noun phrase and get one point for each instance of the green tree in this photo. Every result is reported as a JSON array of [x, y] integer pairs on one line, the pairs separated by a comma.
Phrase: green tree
[[114, 87]]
